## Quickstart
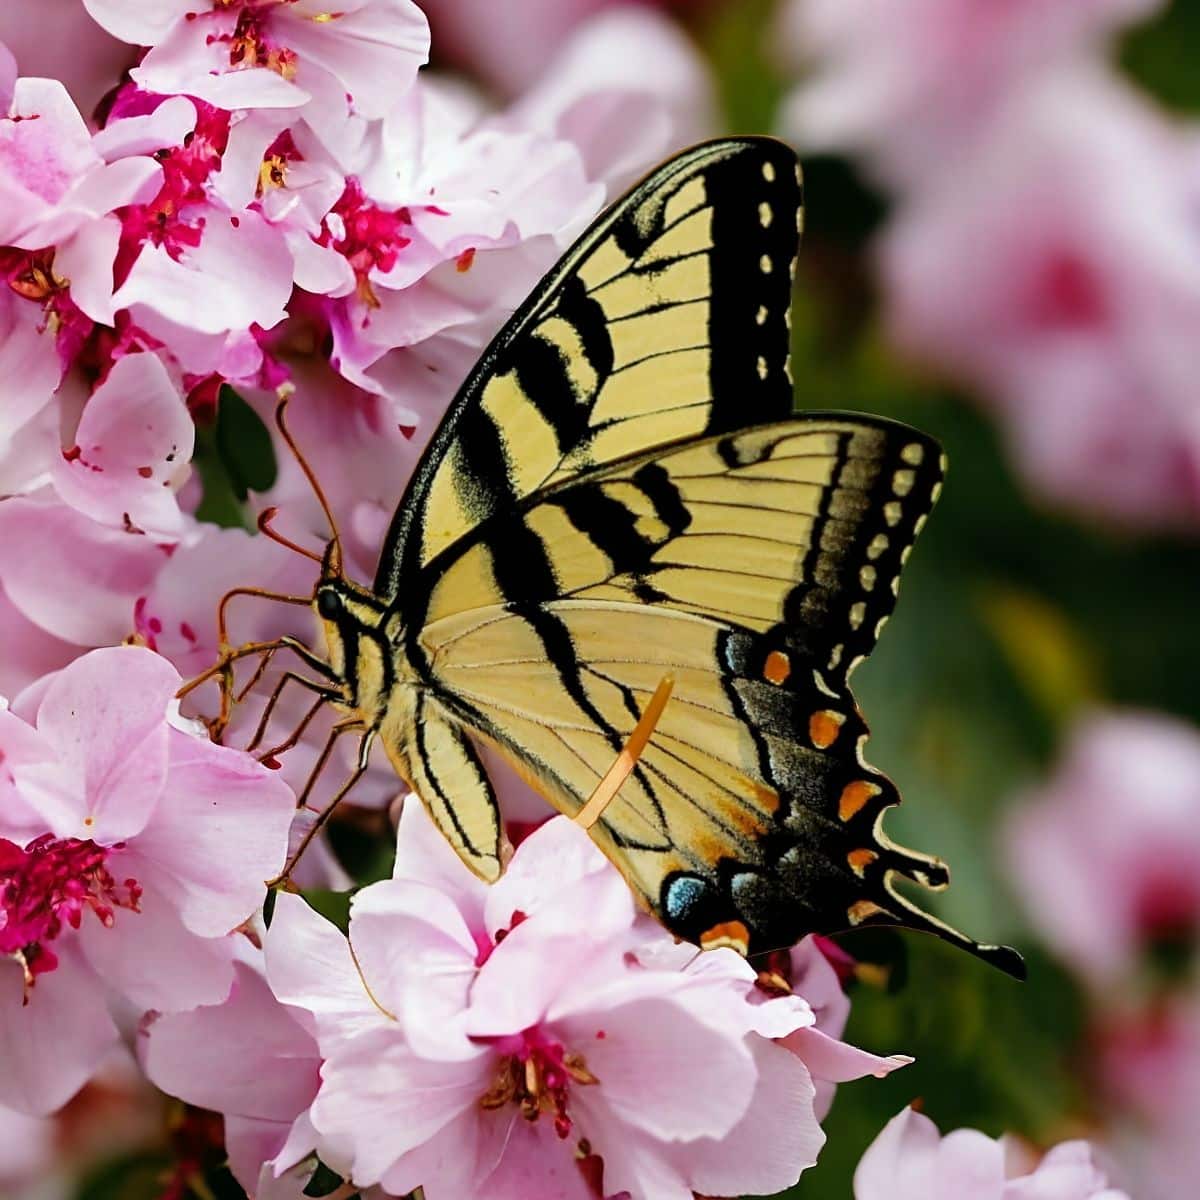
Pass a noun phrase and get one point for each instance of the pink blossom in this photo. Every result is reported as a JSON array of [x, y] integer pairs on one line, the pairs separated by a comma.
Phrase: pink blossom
[[30, 652], [909, 1160], [249, 1058], [30, 371], [627, 88], [510, 47], [1107, 851], [1150, 1071], [131, 450], [1058, 271], [474, 1037], [53, 554], [909, 85], [61, 41], [130, 850], [52, 180], [27, 1154], [261, 54]]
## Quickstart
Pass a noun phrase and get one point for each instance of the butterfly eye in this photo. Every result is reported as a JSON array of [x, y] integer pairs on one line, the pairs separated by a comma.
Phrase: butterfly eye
[[329, 604]]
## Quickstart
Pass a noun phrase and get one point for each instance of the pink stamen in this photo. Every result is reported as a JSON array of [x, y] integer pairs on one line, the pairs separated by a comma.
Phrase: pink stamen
[[48, 886], [367, 236]]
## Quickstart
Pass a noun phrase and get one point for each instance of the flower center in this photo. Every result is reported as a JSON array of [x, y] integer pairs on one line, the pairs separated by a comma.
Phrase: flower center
[[366, 235], [535, 1073], [186, 169], [31, 275], [48, 886]]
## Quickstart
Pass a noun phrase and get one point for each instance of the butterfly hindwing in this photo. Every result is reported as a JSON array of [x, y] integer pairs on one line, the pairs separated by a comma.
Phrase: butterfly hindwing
[[667, 320], [754, 568]]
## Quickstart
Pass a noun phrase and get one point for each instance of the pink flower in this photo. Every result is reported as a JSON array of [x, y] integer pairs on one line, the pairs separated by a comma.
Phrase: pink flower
[[627, 87], [57, 235], [129, 850], [909, 1160], [1058, 271], [61, 41], [1150, 1069], [1107, 851], [510, 46], [909, 85], [131, 450], [52, 180], [326, 64], [27, 1153], [475, 1038], [251, 1059]]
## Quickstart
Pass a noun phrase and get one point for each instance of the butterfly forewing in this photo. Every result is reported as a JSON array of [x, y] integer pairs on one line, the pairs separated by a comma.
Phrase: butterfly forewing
[[668, 320]]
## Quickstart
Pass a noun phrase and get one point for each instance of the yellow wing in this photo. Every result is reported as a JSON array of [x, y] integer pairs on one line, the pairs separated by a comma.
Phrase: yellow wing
[[668, 320], [756, 568]]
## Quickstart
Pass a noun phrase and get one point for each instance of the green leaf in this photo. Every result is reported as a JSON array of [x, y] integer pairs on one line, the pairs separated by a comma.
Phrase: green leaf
[[324, 1182], [244, 444], [333, 906], [1161, 56]]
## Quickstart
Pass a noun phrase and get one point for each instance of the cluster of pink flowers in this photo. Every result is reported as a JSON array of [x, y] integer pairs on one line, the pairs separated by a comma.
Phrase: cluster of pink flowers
[[1044, 248], [205, 205]]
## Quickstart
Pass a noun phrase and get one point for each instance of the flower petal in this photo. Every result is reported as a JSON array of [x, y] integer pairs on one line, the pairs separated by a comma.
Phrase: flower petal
[[51, 1046]]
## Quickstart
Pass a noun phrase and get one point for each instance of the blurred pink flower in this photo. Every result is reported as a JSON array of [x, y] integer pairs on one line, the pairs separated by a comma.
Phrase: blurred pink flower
[[628, 88], [129, 850], [911, 85], [57, 39], [1107, 851], [475, 1037], [27, 1157], [910, 1160], [1150, 1068], [509, 46], [1058, 271]]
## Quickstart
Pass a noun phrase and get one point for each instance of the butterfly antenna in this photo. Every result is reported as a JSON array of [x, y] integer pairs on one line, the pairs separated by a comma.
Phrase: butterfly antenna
[[334, 554], [622, 768]]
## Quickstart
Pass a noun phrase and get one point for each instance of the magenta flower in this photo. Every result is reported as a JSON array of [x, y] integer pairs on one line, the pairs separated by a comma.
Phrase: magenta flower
[[909, 1160], [130, 849], [1107, 851], [478, 1040]]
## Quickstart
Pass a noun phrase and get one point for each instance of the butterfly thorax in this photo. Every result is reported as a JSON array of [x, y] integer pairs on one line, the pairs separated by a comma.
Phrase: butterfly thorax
[[364, 641]]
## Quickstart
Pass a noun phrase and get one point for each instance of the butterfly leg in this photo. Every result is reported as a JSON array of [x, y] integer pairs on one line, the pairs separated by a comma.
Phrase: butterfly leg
[[323, 693], [223, 668], [364, 753]]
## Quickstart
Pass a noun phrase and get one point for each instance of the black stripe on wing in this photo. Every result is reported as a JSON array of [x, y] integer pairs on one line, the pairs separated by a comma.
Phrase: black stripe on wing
[[621, 297]]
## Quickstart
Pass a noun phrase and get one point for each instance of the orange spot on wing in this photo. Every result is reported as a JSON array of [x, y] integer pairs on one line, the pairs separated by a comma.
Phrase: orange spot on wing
[[860, 860], [733, 934], [854, 796], [777, 667], [824, 726], [860, 910]]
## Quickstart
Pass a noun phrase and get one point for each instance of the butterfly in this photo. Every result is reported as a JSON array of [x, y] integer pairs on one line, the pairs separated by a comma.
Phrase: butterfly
[[620, 492]]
